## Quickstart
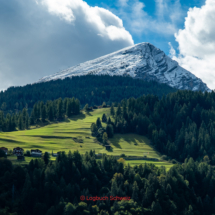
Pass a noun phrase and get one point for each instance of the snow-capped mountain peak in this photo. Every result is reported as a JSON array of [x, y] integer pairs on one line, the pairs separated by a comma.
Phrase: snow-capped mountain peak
[[143, 61]]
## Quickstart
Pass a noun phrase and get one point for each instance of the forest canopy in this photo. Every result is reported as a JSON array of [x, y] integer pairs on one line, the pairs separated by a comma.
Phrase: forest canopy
[[90, 89]]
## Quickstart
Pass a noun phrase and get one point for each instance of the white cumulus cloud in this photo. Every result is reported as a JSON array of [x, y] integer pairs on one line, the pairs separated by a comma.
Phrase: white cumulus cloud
[[102, 21], [197, 43], [165, 20]]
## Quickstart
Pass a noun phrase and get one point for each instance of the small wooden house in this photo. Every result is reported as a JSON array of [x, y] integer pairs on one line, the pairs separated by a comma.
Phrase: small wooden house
[[108, 147], [18, 151], [36, 153], [4, 149]]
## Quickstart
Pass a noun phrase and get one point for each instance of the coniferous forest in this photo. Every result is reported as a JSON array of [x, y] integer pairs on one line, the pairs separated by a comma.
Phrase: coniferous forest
[[90, 89], [180, 125], [51, 111], [55, 188]]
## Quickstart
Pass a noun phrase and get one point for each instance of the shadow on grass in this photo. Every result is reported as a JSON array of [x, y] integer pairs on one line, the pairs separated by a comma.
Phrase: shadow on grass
[[88, 113], [11, 141], [55, 137], [66, 120], [77, 117], [37, 146], [110, 150], [132, 139], [115, 143]]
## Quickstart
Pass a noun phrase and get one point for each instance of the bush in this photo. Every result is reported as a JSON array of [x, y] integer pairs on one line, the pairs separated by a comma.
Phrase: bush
[[10, 152], [174, 161], [2, 154], [28, 153], [122, 155], [104, 105], [121, 160], [164, 157]]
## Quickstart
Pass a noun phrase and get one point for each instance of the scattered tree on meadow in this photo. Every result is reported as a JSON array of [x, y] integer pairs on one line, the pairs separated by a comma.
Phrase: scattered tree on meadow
[[104, 118], [109, 130], [104, 137], [112, 111], [86, 108], [46, 157], [98, 123]]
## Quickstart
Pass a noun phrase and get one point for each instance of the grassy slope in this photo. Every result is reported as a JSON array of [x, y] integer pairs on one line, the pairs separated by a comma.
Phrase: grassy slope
[[58, 137]]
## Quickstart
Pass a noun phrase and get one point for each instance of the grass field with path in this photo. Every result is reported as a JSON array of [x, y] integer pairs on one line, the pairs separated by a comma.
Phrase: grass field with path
[[75, 134]]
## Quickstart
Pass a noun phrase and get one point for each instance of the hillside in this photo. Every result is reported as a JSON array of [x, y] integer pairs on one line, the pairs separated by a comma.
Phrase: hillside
[[75, 134], [90, 89]]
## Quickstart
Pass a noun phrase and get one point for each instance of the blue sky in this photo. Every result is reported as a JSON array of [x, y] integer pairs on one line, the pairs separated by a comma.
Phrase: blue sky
[[161, 39], [42, 37]]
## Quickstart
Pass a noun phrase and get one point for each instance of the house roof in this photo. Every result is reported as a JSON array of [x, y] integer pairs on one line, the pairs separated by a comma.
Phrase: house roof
[[18, 148], [36, 150], [4, 149]]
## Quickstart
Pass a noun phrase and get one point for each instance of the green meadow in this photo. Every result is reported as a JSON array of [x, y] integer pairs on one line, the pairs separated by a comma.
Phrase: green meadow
[[158, 164], [75, 134]]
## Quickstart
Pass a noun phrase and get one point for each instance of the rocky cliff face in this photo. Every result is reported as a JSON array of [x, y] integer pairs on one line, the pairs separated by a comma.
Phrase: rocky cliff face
[[143, 61]]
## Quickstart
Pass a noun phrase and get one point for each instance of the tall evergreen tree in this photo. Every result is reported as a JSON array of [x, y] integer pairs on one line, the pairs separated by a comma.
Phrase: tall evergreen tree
[[98, 123], [118, 112], [20, 122], [104, 137], [112, 111], [77, 106], [104, 118], [109, 130], [60, 108], [27, 121], [50, 111], [32, 118], [43, 113], [69, 108]]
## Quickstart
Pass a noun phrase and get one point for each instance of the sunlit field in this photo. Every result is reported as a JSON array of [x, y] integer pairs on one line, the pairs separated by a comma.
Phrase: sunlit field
[[75, 134]]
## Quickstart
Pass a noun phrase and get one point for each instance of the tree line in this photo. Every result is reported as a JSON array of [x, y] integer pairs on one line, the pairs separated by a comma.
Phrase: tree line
[[41, 112], [44, 187], [90, 89]]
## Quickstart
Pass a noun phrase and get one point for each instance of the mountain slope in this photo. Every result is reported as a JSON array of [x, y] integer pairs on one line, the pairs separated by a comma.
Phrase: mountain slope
[[143, 61]]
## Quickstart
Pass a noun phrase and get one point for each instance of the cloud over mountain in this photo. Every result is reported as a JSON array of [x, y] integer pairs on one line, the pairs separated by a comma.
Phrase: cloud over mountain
[[41, 37], [197, 43], [103, 22]]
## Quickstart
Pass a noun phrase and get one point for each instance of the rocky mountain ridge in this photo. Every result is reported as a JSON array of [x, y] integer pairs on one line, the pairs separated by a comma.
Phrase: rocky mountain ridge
[[143, 61]]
